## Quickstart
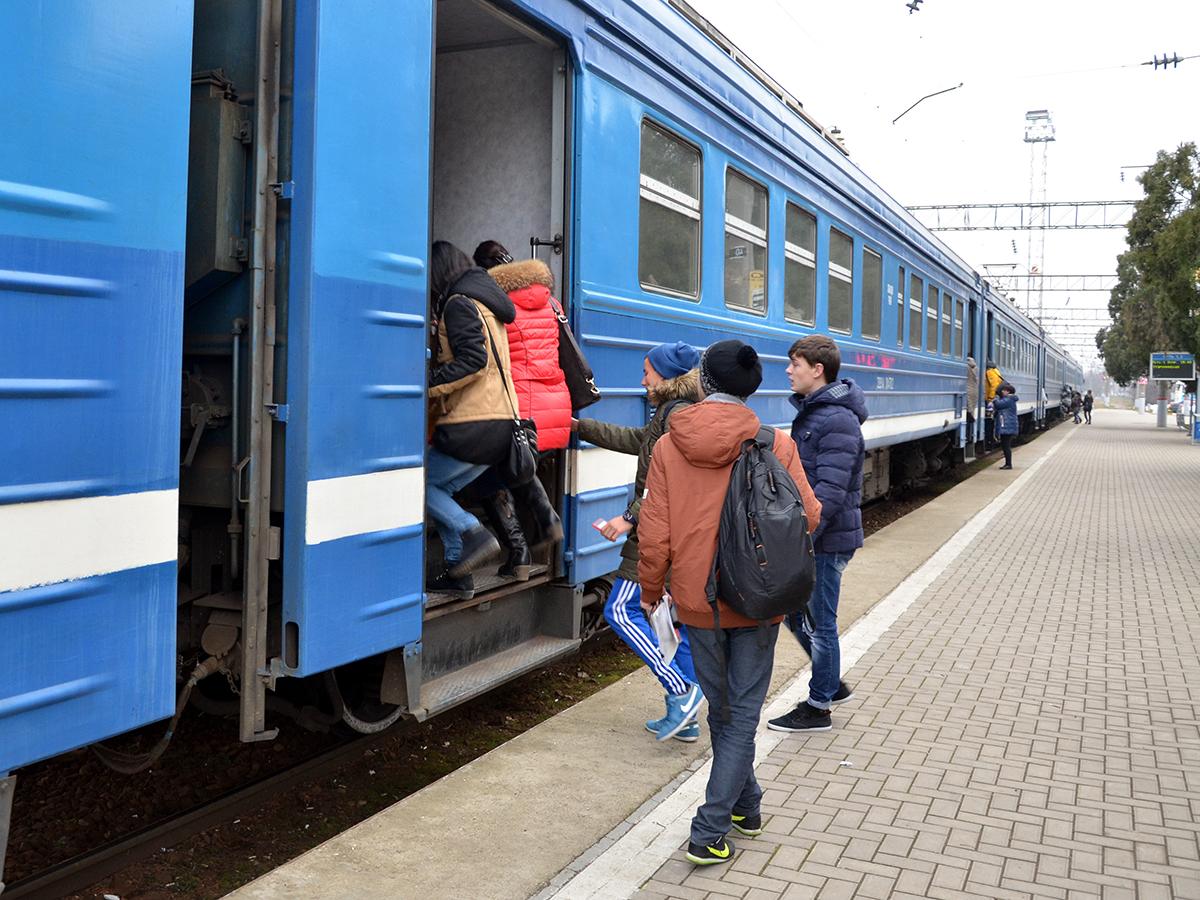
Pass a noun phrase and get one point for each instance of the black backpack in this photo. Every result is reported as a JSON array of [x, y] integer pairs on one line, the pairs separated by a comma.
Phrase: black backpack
[[764, 566]]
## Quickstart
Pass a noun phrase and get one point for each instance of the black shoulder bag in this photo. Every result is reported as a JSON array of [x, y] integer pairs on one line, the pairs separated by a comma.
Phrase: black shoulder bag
[[581, 381], [519, 465]]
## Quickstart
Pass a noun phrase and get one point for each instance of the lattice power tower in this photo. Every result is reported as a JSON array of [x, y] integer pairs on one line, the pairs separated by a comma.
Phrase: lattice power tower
[[1039, 132]]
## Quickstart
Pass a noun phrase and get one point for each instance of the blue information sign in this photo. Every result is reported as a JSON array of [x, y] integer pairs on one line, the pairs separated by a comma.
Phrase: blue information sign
[[1172, 367]]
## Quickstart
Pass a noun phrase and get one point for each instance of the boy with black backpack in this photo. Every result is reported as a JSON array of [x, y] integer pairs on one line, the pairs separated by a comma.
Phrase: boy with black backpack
[[828, 433], [680, 527]]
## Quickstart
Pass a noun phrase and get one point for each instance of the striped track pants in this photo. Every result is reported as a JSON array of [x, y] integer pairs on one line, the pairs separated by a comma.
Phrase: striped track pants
[[624, 613]]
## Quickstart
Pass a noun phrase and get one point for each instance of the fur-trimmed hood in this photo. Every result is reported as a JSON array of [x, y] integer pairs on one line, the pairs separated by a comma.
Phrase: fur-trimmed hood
[[516, 276], [681, 387]]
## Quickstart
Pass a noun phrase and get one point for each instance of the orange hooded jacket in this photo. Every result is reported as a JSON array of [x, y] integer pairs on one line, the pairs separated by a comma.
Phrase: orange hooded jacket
[[681, 508]]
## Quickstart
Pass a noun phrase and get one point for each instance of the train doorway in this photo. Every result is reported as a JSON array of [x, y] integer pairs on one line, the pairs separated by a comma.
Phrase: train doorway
[[500, 142], [499, 134]]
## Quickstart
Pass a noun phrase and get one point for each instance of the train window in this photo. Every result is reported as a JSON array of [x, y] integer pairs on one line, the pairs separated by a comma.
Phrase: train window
[[669, 214], [872, 294], [916, 291], [745, 243], [900, 309], [931, 327], [800, 267], [958, 328], [841, 282], [947, 335]]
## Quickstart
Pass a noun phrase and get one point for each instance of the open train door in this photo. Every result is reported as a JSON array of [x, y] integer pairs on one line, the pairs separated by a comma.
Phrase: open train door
[[355, 434], [93, 174]]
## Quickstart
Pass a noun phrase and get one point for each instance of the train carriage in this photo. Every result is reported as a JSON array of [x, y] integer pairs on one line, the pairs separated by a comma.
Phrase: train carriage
[[214, 230]]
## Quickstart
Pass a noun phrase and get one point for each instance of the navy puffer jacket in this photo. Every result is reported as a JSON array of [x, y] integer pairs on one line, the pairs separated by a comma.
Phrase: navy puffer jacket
[[828, 432], [1005, 410]]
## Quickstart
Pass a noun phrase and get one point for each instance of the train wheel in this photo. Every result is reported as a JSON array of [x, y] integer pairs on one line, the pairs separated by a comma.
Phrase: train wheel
[[355, 690]]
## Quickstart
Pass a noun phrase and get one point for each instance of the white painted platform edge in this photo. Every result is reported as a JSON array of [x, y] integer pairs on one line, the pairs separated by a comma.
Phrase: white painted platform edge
[[634, 858]]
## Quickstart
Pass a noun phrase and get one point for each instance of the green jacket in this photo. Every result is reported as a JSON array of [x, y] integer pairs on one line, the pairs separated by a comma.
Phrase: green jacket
[[626, 439]]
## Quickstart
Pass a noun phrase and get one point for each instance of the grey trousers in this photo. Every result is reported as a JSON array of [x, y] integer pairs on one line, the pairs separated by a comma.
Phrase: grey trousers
[[749, 657]]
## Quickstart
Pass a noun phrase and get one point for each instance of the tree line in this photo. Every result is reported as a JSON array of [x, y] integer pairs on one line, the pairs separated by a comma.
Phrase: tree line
[[1156, 303]]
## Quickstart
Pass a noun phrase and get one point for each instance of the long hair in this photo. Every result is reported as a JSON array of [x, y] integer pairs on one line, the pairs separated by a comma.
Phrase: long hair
[[446, 265]]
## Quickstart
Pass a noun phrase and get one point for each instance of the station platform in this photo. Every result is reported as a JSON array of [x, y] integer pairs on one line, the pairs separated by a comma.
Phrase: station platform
[[1025, 652]]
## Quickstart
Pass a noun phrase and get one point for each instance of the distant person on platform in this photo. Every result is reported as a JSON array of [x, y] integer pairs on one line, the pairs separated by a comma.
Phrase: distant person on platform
[[1088, 402], [1007, 421], [992, 381], [1076, 406]]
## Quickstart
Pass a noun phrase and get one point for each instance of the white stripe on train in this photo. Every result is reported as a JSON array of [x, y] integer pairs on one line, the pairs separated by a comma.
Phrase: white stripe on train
[[362, 504], [594, 469], [51, 541]]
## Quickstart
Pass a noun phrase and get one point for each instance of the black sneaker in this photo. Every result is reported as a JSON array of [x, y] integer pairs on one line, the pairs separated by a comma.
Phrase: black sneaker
[[479, 545], [751, 826], [844, 694], [803, 718], [709, 855], [459, 588]]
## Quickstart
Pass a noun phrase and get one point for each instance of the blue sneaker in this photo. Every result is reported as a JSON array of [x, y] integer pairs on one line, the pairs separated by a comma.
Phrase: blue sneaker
[[681, 712], [654, 724], [689, 735]]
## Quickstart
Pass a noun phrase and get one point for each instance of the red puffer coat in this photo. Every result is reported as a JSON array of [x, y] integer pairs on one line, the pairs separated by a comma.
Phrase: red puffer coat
[[533, 347]]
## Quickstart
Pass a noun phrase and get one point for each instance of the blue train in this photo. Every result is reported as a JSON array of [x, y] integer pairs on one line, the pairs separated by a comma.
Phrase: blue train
[[214, 226]]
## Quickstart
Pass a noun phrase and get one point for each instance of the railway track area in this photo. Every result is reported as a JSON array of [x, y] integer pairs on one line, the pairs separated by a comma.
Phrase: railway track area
[[213, 814]]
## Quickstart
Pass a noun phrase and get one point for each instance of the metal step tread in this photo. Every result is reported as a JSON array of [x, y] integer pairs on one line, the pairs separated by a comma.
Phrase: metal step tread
[[483, 584], [470, 681]]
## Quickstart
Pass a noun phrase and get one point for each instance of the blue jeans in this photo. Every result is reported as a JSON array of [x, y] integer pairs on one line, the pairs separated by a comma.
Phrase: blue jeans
[[444, 477], [822, 646], [624, 613], [749, 657]]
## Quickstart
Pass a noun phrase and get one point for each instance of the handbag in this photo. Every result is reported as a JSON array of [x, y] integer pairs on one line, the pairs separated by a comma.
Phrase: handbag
[[581, 381], [519, 464]]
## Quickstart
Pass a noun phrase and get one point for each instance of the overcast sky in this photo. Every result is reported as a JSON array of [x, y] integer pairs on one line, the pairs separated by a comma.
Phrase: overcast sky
[[857, 64]]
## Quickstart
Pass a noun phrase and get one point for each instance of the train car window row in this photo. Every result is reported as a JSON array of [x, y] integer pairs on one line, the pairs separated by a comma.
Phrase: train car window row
[[670, 249], [669, 214], [800, 267], [745, 243]]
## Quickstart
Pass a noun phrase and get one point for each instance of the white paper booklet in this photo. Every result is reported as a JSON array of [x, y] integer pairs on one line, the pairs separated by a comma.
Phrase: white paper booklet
[[664, 630]]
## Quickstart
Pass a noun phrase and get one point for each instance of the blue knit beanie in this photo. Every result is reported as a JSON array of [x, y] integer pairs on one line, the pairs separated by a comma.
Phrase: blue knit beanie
[[673, 360]]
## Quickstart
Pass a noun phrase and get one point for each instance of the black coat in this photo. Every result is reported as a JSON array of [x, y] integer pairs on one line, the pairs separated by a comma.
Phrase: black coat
[[486, 439], [828, 432]]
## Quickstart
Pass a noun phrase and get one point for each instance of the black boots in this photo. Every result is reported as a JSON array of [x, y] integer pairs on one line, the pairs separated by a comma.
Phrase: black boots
[[532, 495], [502, 516], [478, 547], [462, 588]]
